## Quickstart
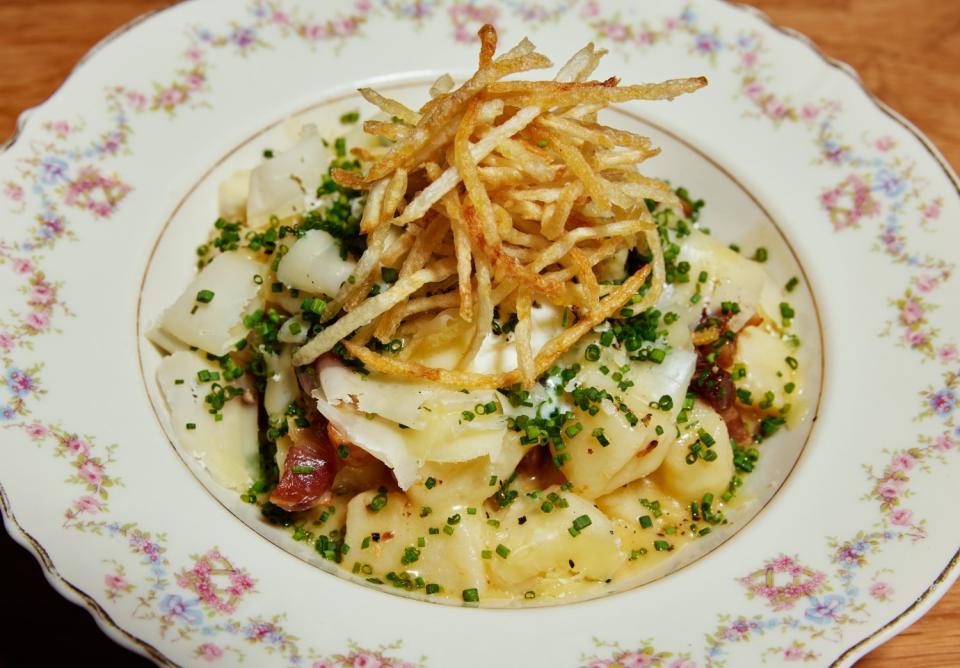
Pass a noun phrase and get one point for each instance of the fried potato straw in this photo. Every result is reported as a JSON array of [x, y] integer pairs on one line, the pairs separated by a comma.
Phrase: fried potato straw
[[498, 195]]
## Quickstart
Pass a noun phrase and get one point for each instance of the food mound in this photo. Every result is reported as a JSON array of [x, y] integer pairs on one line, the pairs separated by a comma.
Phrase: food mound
[[477, 354]]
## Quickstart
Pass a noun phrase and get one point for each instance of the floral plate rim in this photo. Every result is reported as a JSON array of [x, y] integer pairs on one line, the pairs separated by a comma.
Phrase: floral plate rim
[[937, 588], [68, 590], [951, 572]]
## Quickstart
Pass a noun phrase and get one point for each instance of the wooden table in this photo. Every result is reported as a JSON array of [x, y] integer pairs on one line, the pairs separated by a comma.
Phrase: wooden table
[[905, 50]]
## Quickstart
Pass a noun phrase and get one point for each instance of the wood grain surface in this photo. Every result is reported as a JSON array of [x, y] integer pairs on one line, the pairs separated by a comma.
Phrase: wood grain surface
[[906, 51]]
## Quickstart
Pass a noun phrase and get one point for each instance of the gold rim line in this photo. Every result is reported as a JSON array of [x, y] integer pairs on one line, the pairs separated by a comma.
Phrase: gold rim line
[[640, 582], [99, 614], [950, 571]]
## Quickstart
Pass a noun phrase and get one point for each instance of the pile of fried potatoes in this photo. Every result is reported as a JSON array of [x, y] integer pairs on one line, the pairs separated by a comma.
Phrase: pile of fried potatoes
[[498, 194]]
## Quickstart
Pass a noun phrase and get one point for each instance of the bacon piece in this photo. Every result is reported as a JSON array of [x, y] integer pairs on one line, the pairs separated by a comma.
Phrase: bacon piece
[[712, 381], [308, 471], [713, 384], [736, 427]]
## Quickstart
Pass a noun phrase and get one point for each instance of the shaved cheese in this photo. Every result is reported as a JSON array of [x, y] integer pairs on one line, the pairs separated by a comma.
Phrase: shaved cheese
[[280, 186], [443, 439], [282, 387], [313, 264], [411, 403], [216, 326], [497, 353], [227, 449], [165, 340], [232, 195]]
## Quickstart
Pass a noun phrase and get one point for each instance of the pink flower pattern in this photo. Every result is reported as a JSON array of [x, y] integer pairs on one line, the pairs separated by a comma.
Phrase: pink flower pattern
[[88, 504], [881, 591], [901, 517], [783, 582], [36, 431], [78, 447], [37, 321], [217, 582], [209, 651], [91, 471]]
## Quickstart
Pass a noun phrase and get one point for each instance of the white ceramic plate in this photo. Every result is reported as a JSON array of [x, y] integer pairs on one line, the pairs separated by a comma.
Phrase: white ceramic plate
[[108, 185]]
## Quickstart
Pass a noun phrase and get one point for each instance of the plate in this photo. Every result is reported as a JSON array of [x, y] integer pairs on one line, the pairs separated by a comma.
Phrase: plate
[[94, 182]]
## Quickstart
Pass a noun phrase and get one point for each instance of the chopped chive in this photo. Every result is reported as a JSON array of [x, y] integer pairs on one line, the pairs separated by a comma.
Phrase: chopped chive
[[205, 296], [379, 501]]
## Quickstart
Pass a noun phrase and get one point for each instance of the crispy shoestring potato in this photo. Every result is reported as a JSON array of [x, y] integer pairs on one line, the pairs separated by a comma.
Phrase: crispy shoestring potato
[[498, 194]]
